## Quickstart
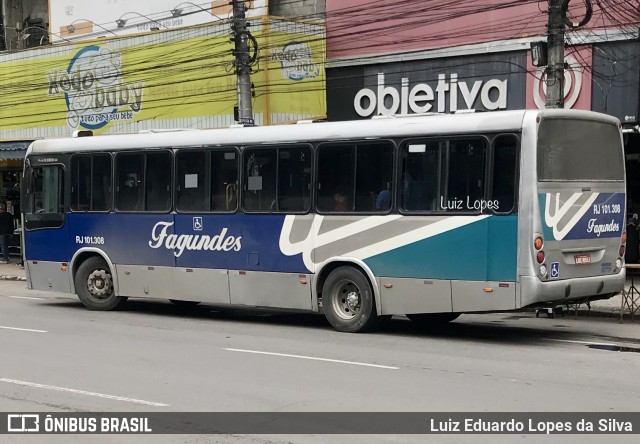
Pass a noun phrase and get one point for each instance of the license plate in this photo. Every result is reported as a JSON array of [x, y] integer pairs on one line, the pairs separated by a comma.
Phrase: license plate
[[583, 258]]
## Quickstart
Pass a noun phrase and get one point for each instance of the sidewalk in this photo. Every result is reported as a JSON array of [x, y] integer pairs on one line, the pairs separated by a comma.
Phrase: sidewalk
[[608, 308], [12, 271]]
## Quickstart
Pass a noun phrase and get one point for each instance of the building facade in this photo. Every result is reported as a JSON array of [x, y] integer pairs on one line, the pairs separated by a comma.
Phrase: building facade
[[422, 56], [76, 65]]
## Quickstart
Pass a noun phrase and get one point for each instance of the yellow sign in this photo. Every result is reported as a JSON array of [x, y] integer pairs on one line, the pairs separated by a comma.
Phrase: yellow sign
[[113, 87], [295, 69]]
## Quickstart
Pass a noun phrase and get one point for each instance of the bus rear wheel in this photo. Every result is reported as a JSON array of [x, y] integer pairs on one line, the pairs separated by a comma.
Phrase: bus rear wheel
[[432, 319], [94, 285], [348, 301]]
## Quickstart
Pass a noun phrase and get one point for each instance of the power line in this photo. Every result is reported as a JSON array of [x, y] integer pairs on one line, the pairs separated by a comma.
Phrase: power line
[[181, 61]]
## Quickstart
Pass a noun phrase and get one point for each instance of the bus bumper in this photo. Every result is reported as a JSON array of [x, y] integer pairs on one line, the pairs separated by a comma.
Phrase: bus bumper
[[534, 291]]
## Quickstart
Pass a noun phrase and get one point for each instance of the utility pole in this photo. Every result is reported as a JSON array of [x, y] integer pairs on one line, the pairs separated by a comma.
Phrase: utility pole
[[555, 65], [243, 63]]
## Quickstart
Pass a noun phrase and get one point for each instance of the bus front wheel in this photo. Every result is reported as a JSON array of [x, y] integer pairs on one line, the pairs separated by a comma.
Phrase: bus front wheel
[[94, 285], [348, 301]]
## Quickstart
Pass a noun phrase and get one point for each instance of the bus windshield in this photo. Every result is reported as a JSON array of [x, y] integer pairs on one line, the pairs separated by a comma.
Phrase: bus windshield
[[579, 150]]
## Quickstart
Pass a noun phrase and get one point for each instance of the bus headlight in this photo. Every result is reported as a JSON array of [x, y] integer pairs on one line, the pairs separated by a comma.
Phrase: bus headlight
[[543, 270]]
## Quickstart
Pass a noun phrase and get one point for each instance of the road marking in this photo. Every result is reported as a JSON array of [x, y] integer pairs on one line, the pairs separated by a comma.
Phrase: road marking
[[23, 329], [609, 344], [312, 358], [27, 297], [82, 392]]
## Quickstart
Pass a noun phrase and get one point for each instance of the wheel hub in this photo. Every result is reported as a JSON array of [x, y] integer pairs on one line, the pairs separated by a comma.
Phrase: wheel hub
[[353, 300], [99, 283]]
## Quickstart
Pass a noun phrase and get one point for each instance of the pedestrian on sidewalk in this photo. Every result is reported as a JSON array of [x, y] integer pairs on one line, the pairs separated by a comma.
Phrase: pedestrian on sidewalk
[[6, 230]]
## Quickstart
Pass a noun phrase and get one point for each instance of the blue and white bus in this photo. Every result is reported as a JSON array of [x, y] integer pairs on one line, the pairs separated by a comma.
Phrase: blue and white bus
[[426, 216]]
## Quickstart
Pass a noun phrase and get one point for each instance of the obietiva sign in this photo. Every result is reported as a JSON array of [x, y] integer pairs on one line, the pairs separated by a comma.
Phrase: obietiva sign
[[450, 94]]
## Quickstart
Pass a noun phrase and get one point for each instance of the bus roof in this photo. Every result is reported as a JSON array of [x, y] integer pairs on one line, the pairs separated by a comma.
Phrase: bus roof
[[379, 127]]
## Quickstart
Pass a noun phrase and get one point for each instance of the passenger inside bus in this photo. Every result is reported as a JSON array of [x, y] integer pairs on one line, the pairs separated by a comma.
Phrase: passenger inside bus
[[129, 196], [383, 200]]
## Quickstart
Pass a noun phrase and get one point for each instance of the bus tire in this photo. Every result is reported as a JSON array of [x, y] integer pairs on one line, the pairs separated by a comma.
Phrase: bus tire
[[432, 319], [94, 285], [348, 301]]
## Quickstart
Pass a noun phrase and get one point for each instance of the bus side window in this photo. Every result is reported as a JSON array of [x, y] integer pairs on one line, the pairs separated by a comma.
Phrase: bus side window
[[374, 173], [294, 179], [224, 180], [101, 183], [81, 183], [336, 168], [129, 169], [504, 172], [260, 179], [191, 187], [465, 174], [158, 181], [91, 182], [421, 175]]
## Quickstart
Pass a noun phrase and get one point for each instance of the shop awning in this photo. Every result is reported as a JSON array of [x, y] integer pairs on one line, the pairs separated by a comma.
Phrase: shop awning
[[14, 150]]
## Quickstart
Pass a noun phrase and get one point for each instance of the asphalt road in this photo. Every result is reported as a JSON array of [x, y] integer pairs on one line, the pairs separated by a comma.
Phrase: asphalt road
[[154, 356]]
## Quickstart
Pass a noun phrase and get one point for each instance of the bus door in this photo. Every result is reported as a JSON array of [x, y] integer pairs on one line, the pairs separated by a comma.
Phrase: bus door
[[143, 244], [208, 241], [46, 234]]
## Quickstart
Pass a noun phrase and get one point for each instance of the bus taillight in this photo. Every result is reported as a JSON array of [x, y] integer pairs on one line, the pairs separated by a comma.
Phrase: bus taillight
[[538, 243], [623, 238], [621, 251]]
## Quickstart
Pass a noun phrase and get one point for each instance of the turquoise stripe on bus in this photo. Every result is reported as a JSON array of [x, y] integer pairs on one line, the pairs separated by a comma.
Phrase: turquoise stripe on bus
[[547, 231], [483, 250]]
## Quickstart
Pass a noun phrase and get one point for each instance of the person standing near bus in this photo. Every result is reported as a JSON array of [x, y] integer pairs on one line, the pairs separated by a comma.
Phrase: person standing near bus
[[6, 230]]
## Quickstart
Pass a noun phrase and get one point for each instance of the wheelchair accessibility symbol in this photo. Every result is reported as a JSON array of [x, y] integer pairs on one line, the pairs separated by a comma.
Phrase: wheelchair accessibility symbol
[[197, 224], [555, 270]]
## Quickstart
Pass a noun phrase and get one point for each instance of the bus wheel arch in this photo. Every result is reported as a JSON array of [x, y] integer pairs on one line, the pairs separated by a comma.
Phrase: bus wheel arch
[[94, 282], [348, 297]]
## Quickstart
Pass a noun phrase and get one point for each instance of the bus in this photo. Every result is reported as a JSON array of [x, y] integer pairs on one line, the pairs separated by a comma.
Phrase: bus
[[427, 216]]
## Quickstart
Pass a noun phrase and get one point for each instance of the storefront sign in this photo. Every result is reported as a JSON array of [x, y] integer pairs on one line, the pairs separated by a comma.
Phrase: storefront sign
[[421, 98], [577, 80], [141, 83], [296, 61], [94, 88], [487, 82]]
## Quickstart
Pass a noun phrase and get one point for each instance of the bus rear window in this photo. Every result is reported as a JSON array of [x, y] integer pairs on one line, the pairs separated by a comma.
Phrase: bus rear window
[[579, 150]]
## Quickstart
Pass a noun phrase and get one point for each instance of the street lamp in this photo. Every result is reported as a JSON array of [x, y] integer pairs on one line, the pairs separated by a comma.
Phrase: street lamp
[[121, 22], [37, 32], [83, 27], [178, 11]]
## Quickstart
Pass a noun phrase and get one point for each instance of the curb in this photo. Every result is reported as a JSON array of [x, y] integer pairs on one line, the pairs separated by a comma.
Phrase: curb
[[12, 278]]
